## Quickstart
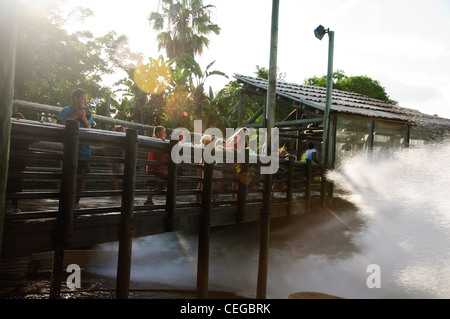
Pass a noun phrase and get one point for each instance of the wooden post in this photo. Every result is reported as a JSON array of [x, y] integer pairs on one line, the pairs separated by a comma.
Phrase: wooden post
[[323, 186], [241, 103], [171, 196], [126, 224], [244, 179], [8, 39], [204, 232], [290, 184], [64, 221], [298, 146], [372, 136], [308, 185]]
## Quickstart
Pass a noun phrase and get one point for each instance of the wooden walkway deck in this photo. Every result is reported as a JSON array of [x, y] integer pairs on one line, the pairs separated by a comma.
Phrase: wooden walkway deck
[[26, 233]]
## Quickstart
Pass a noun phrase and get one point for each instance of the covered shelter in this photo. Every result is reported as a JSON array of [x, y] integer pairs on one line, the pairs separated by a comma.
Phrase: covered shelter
[[357, 123]]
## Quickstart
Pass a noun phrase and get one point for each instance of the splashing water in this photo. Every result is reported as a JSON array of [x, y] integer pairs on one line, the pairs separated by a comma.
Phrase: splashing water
[[404, 203]]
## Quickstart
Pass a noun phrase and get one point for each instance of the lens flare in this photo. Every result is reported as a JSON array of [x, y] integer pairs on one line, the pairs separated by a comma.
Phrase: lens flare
[[177, 101], [154, 77]]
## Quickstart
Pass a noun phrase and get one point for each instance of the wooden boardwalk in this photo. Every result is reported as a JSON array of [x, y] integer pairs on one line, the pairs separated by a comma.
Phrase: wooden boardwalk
[[45, 165], [97, 221]]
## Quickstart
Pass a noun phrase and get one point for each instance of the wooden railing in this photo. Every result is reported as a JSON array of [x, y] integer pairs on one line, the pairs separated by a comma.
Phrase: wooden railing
[[44, 160], [37, 148]]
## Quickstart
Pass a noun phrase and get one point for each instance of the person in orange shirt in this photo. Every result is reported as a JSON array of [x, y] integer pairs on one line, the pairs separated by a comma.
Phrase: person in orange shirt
[[158, 172]]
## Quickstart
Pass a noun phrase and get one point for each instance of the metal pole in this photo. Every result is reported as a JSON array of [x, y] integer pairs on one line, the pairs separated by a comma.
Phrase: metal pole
[[267, 192], [8, 38], [326, 116], [126, 224]]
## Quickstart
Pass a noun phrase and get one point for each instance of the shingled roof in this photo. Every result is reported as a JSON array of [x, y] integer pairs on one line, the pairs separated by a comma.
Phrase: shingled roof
[[344, 102]]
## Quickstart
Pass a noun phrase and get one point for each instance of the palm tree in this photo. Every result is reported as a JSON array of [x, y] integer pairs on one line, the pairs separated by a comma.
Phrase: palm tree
[[183, 26], [196, 78]]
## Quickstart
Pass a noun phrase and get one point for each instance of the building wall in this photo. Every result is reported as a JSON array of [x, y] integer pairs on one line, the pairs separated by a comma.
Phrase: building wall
[[355, 135]]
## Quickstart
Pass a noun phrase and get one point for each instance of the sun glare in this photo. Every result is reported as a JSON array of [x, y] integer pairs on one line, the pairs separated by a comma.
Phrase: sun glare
[[42, 4], [153, 77]]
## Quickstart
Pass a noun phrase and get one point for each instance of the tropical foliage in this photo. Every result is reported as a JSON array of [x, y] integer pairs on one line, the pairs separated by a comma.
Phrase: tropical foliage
[[182, 26], [51, 63]]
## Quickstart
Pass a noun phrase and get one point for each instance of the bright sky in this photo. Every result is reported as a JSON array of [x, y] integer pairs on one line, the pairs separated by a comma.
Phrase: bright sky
[[403, 44]]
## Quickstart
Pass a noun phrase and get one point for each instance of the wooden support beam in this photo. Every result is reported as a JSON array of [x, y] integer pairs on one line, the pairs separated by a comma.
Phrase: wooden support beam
[[290, 184], [171, 196], [244, 179], [308, 177], [67, 197], [8, 39], [126, 216], [241, 105], [204, 232], [323, 188], [298, 122]]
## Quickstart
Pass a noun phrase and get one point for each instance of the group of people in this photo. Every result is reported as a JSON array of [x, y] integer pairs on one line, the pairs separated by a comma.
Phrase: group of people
[[78, 112]]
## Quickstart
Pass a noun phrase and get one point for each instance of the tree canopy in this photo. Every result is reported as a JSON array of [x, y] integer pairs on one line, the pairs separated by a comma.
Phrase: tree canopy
[[183, 26], [358, 84], [51, 63]]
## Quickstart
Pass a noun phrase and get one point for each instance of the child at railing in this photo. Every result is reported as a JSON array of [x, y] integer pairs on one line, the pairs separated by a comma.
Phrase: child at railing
[[158, 172], [205, 140], [233, 143], [280, 176]]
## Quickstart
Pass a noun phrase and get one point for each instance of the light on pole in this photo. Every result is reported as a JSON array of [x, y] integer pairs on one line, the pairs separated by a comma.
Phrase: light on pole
[[319, 32]]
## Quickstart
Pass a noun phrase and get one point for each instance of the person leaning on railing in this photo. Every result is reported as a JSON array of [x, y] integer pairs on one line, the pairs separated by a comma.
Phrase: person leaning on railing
[[76, 111], [156, 173]]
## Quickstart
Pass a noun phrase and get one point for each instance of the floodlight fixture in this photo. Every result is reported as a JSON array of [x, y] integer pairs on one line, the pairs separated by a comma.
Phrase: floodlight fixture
[[320, 31]]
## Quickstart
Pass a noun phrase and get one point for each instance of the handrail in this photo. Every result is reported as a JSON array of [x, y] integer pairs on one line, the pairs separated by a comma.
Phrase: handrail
[[47, 132], [297, 181], [38, 107]]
